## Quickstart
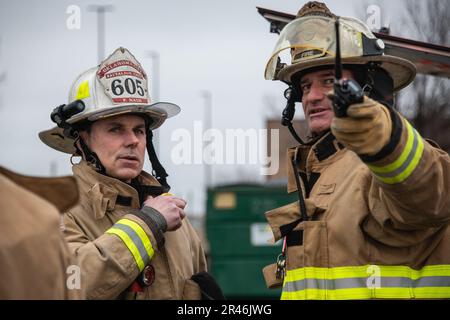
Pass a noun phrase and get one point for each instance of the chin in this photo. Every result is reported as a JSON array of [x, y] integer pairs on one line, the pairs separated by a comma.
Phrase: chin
[[126, 174], [319, 130], [317, 127]]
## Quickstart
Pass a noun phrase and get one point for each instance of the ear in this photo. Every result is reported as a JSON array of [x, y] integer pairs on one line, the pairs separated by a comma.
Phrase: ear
[[85, 136], [80, 149]]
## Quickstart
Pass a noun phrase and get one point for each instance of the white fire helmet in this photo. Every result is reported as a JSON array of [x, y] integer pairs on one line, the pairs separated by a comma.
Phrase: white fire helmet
[[117, 86]]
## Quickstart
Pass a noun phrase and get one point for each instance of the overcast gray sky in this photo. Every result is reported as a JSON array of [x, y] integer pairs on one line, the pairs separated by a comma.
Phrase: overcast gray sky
[[219, 46]]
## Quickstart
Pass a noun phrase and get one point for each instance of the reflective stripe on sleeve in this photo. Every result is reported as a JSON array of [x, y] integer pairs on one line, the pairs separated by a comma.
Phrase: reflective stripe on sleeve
[[405, 164], [135, 239]]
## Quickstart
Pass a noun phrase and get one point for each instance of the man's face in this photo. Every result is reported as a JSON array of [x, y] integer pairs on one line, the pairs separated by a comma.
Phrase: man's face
[[317, 107], [119, 143]]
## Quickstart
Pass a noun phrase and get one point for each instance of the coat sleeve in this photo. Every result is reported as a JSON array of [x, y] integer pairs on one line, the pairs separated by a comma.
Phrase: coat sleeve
[[409, 185], [111, 262]]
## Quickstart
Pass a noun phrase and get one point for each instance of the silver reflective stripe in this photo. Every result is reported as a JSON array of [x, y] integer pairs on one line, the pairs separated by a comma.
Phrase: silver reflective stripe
[[325, 284], [407, 161], [136, 240], [351, 283], [435, 281]]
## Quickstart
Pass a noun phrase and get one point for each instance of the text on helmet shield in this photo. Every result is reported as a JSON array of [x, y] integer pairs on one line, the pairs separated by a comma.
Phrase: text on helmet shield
[[123, 79]]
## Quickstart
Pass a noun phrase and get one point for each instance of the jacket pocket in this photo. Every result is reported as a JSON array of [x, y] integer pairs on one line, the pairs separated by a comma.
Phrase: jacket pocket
[[269, 273], [312, 249], [324, 194]]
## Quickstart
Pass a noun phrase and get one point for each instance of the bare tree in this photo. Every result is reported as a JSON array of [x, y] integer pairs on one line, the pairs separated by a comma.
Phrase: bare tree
[[427, 103], [426, 21]]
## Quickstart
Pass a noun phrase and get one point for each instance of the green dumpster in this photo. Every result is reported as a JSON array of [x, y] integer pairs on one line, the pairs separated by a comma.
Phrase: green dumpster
[[239, 235]]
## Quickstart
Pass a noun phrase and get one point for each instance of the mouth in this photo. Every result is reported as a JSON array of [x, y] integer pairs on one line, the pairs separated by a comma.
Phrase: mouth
[[317, 111], [129, 158]]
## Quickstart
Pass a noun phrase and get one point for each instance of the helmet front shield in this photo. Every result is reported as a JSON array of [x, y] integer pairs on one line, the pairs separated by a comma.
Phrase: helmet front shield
[[306, 39]]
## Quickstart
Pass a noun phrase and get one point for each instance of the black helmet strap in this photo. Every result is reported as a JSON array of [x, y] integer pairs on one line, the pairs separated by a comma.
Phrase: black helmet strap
[[158, 170], [287, 116], [89, 155], [62, 113]]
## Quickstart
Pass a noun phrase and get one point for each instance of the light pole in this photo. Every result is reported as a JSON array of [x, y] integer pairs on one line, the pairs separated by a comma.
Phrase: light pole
[[154, 96], [100, 10], [2, 75], [206, 94]]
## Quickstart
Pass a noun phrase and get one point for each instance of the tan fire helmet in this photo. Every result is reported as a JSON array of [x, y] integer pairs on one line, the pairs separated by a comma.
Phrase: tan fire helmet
[[117, 86], [310, 41]]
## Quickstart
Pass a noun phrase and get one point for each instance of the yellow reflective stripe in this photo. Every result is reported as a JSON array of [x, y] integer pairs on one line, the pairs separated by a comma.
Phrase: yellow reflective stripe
[[364, 271], [397, 163], [409, 169], [326, 273], [340, 294], [129, 244], [404, 271], [141, 233], [364, 293], [351, 282], [406, 158], [432, 292]]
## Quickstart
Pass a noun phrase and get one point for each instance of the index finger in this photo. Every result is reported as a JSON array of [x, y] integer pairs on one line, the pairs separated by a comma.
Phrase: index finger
[[181, 203]]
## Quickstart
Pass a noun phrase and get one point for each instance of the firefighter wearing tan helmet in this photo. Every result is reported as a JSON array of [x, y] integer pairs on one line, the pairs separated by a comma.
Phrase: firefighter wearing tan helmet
[[374, 203], [132, 238]]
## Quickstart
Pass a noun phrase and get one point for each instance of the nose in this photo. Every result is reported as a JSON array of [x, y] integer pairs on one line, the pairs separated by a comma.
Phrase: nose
[[316, 93], [131, 140]]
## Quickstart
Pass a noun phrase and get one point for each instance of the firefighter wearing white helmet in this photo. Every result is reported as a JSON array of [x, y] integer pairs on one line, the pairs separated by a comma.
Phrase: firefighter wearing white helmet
[[374, 204], [132, 238]]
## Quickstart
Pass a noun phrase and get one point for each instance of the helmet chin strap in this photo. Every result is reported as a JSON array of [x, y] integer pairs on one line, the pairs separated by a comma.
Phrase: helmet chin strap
[[292, 96], [89, 155], [288, 113], [158, 170], [63, 112]]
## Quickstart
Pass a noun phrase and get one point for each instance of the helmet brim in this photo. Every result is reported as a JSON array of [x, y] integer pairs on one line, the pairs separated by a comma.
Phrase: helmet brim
[[401, 70]]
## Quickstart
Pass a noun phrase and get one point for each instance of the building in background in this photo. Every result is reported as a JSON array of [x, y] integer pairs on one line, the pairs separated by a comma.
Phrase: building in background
[[285, 141]]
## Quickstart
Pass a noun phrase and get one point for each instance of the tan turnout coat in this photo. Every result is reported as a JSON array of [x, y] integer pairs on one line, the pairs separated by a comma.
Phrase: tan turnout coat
[[107, 264], [377, 228], [34, 258]]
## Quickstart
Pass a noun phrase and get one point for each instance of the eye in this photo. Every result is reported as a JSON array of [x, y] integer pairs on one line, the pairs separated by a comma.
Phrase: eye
[[114, 130], [329, 81], [305, 87], [139, 131]]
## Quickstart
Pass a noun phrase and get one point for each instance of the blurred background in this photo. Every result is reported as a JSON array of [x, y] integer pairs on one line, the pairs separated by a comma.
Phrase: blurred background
[[207, 56]]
